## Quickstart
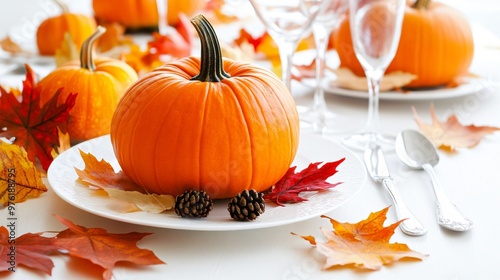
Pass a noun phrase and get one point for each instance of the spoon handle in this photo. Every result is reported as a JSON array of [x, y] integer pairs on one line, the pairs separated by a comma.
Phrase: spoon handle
[[447, 213], [410, 225]]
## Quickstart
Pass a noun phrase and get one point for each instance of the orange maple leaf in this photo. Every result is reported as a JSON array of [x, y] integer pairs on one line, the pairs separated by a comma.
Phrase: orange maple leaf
[[102, 248], [451, 134], [163, 48], [100, 174], [31, 250], [113, 37], [364, 244]]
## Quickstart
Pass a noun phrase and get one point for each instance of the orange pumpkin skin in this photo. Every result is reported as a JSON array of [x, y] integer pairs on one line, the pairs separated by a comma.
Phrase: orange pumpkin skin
[[142, 13], [436, 45], [99, 91], [171, 134], [50, 33]]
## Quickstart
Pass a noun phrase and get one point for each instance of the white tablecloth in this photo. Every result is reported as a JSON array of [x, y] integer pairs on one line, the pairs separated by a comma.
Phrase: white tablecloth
[[470, 178]]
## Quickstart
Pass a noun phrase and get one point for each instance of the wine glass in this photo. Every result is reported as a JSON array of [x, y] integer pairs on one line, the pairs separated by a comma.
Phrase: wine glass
[[375, 30], [318, 114], [287, 21]]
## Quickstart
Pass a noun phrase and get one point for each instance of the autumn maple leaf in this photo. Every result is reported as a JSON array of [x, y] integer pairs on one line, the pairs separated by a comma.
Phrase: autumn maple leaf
[[31, 250], [451, 134], [312, 178], [100, 174], [19, 178], [102, 248], [34, 128], [364, 244]]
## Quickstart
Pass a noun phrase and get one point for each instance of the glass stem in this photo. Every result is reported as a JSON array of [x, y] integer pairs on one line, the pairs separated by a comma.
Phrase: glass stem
[[374, 77], [162, 6], [286, 50], [321, 35]]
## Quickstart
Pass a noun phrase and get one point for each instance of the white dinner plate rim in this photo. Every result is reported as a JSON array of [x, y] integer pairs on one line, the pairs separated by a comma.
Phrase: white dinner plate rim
[[471, 85], [62, 180]]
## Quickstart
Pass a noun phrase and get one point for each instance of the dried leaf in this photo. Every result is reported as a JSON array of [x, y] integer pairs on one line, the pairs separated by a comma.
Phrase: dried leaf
[[102, 248], [243, 52], [163, 48], [67, 52], [451, 134], [100, 174], [348, 80], [64, 141], [216, 14], [19, 178], [245, 37], [30, 250], [34, 128], [364, 244], [312, 178], [152, 203], [113, 37], [10, 46]]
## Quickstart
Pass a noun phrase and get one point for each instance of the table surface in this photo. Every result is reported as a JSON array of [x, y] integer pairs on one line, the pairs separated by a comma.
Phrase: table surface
[[470, 178]]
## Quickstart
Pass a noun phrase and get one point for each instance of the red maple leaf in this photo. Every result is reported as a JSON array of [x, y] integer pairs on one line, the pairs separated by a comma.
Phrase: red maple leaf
[[177, 42], [245, 36], [312, 178], [103, 248], [29, 250], [34, 128]]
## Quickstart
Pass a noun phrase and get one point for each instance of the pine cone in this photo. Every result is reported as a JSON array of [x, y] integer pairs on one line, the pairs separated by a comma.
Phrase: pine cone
[[247, 205], [194, 204]]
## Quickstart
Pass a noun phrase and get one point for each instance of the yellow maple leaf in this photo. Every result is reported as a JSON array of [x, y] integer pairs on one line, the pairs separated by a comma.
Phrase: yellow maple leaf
[[364, 244], [451, 134], [19, 178], [68, 51]]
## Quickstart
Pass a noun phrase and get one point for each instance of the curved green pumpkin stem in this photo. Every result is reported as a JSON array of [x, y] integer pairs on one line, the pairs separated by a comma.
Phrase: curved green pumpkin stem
[[421, 4], [212, 66], [86, 53], [63, 6]]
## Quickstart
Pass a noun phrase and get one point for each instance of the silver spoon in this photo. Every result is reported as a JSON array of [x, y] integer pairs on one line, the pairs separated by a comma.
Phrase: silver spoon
[[416, 151]]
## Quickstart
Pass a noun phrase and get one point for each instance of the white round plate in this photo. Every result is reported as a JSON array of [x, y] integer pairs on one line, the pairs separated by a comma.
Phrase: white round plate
[[471, 86], [62, 179]]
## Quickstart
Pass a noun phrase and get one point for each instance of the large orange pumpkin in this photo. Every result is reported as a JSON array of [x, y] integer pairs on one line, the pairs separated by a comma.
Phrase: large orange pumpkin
[[142, 13], [436, 45], [50, 33], [208, 124], [100, 83]]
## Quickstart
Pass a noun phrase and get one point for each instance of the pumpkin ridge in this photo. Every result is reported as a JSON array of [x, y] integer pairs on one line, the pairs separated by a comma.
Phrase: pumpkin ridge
[[130, 114], [250, 138]]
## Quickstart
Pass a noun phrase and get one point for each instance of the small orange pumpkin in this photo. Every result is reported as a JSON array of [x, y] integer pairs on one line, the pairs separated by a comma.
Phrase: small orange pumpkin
[[436, 45], [100, 84], [142, 13], [50, 33], [208, 124]]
